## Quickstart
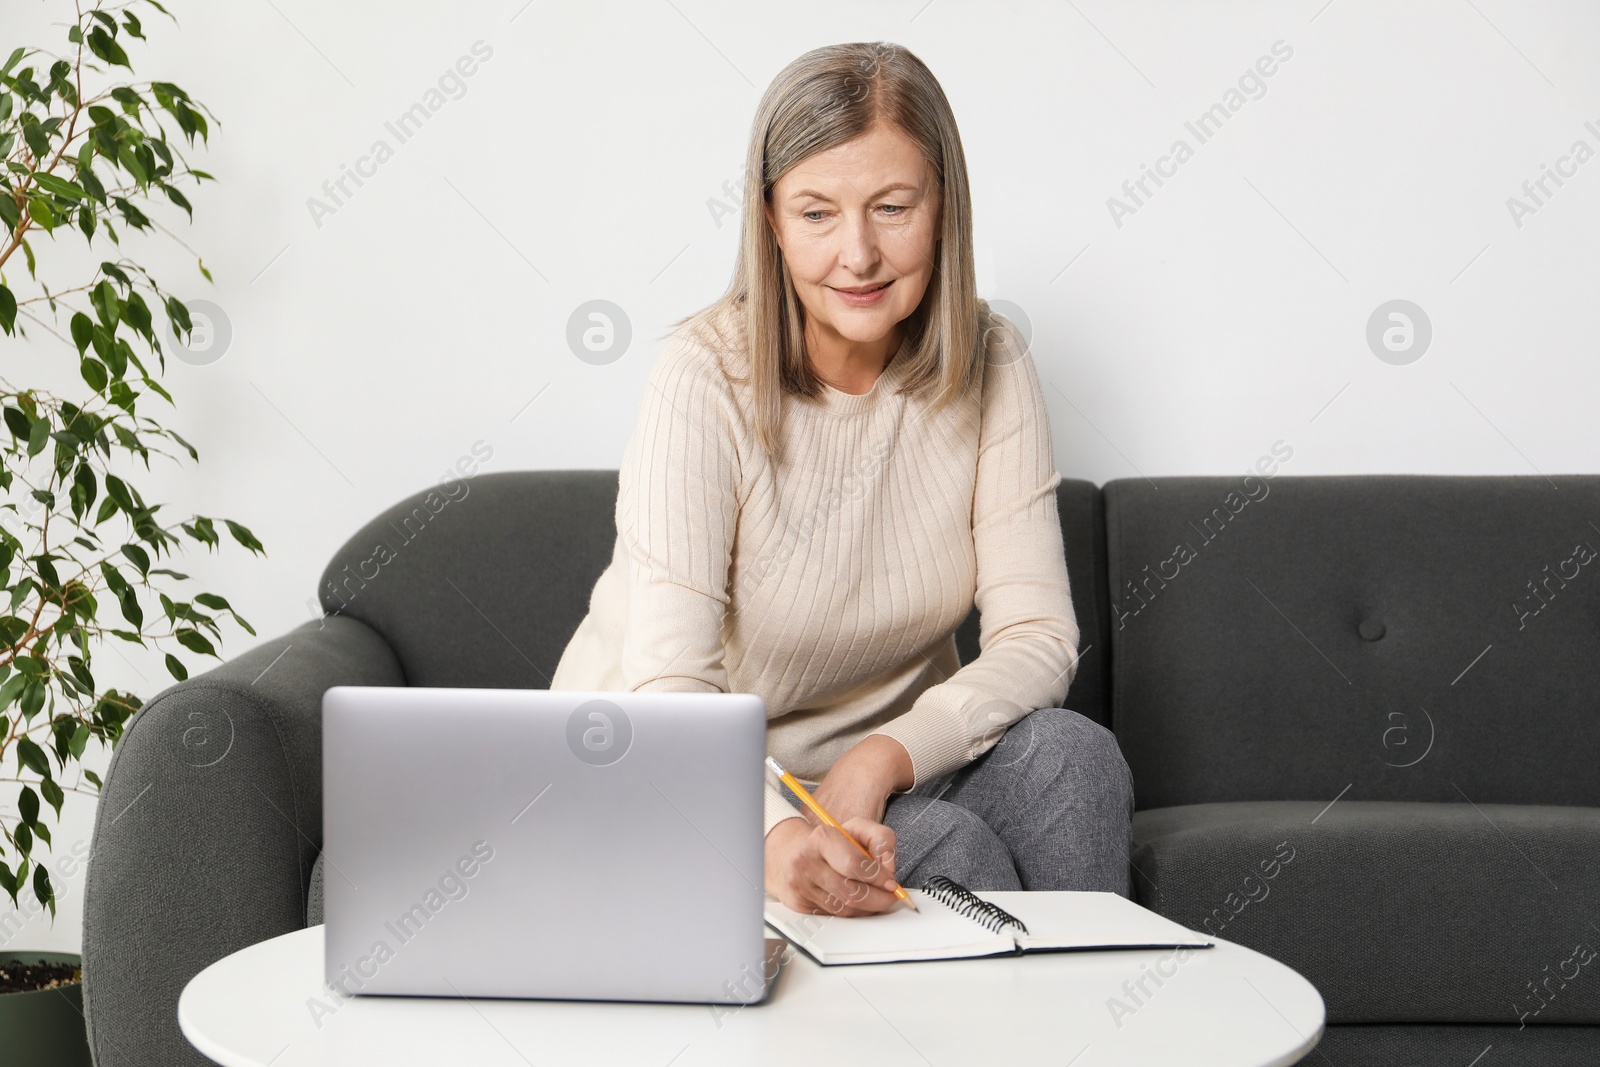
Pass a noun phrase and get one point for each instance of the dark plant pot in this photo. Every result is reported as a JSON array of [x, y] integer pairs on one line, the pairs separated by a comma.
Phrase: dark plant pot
[[45, 1028]]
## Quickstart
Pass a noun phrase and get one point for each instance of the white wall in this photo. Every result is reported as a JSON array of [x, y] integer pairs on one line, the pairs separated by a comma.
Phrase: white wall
[[373, 346]]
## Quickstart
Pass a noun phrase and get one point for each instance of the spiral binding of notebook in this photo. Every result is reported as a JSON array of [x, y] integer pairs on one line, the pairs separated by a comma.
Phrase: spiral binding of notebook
[[952, 893]]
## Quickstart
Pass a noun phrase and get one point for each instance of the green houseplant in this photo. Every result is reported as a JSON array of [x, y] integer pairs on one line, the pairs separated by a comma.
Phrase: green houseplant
[[84, 158]]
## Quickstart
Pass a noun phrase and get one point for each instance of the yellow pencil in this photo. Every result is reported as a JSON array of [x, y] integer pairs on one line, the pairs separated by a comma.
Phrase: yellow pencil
[[811, 802]]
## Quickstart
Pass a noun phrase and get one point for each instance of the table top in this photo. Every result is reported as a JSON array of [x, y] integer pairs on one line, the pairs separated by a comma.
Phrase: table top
[[1226, 1006]]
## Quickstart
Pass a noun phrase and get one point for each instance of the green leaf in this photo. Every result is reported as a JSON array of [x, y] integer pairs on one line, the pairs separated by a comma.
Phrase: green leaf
[[38, 435], [32, 699], [117, 490], [127, 439], [18, 423], [177, 198], [37, 136], [28, 805], [60, 186], [91, 183], [179, 314], [93, 777], [94, 373], [42, 888], [80, 741], [187, 446], [195, 641], [8, 306], [106, 304], [114, 579], [201, 531], [244, 537], [137, 313], [139, 556], [129, 602], [101, 338], [52, 792], [82, 331], [32, 757], [176, 668], [212, 601], [40, 212], [124, 397], [130, 100], [101, 44], [111, 270], [130, 162], [61, 731], [80, 671], [19, 594], [85, 485], [16, 57]]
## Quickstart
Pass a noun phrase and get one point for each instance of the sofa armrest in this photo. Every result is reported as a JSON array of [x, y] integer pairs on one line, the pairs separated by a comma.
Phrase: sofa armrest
[[207, 828]]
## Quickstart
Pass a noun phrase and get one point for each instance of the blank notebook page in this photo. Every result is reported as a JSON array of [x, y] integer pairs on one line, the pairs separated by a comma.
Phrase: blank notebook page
[[1083, 919], [934, 932]]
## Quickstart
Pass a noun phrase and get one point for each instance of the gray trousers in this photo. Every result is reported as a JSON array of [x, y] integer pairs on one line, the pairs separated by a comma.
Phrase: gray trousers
[[1050, 806]]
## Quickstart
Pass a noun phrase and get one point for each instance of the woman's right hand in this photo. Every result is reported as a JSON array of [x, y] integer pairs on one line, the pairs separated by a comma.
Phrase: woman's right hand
[[814, 869]]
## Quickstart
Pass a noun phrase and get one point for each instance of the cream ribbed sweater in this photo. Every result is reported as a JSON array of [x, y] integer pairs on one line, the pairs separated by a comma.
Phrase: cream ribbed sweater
[[831, 585]]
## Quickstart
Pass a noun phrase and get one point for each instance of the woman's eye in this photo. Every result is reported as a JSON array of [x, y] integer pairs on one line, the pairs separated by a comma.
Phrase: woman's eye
[[898, 209], [807, 215]]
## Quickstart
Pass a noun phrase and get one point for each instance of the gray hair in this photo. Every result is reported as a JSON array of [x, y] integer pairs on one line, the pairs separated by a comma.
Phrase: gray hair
[[826, 97]]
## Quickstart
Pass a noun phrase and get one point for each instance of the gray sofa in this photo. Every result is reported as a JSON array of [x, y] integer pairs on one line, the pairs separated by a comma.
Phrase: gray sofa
[[1363, 740]]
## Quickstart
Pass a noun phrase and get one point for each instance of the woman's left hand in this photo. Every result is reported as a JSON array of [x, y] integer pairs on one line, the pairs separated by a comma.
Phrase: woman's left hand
[[860, 781]]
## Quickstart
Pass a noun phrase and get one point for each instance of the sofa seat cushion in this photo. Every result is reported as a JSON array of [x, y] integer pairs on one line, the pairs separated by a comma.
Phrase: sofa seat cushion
[[1396, 911]]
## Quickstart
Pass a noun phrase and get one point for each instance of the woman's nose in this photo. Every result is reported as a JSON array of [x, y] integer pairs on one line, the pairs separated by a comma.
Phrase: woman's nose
[[860, 251]]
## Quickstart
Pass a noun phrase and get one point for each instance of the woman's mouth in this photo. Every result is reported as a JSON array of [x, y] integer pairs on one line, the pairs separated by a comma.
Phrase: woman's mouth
[[864, 295]]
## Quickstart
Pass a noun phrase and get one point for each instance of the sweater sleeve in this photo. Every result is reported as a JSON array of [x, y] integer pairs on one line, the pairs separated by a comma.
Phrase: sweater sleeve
[[677, 508], [1028, 632], [778, 807], [677, 503]]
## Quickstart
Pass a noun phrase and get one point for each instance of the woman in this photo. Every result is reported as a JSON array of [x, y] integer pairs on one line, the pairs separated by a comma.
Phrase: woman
[[831, 464]]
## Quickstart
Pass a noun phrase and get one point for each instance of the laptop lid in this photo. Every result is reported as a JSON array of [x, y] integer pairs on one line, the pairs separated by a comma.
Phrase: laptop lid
[[568, 844]]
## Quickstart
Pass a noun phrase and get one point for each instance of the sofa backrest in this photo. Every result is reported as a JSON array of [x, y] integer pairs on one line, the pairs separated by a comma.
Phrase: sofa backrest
[[1378, 637], [482, 582]]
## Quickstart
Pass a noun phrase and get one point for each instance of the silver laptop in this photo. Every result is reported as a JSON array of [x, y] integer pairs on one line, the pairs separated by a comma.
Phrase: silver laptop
[[575, 845]]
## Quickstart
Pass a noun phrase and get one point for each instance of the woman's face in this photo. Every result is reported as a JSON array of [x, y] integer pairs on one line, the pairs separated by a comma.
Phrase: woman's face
[[861, 214]]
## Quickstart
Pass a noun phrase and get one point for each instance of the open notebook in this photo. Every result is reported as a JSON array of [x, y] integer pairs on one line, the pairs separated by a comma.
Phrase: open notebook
[[956, 923]]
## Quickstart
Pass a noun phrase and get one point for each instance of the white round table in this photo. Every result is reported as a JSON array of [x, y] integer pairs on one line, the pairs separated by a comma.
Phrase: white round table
[[1225, 1006]]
